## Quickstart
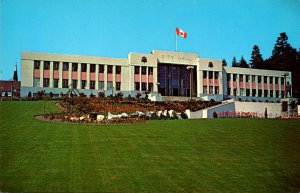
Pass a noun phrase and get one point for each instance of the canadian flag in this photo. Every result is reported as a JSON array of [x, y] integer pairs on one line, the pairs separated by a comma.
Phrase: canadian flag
[[181, 32]]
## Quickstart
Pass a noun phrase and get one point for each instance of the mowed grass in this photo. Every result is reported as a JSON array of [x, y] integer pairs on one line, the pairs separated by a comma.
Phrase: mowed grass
[[214, 155]]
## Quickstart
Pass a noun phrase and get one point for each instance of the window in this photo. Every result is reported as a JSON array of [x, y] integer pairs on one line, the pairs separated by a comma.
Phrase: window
[[277, 93], [247, 92], [228, 91], [55, 65], [137, 86], [210, 74], [83, 84], [282, 80], [109, 85], [144, 86], [74, 83], [216, 75], [265, 93], [65, 66], [228, 77], [241, 78], [55, 81], [150, 70], [101, 68], [259, 93], [234, 77], [259, 79], [253, 78], [136, 70], [46, 65], [118, 85], [109, 69], [150, 87], [271, 93], [271, 80], [46, 82], [282, 94], [36, 82], [204, 74], [83, 67], [92, 67], [204, 89], [265, 79], [65, 83], [74, 67], [101, 85], [210, 90], [247, 78], [118, 69], [37, 64], [92, 84], [242, 92], [144, 70], [254, 92], [216, 90], [276, 80]]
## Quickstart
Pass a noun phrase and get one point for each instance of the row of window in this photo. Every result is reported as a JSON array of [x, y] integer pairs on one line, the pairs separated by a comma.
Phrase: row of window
[[211, 90], [259, 78], [137, 86], [260, 93], [144, 70], [66, 84], [210, 74], [65, 67]]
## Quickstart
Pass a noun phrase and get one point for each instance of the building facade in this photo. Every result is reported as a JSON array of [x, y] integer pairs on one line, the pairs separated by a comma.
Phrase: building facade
[[168, 73]]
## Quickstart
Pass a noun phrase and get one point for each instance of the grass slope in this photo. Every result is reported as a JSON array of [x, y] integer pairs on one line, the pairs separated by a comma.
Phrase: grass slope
[[215, 155]]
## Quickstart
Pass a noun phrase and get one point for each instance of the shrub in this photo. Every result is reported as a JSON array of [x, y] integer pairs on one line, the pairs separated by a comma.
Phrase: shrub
[[215, 115], [119, 95], [101, 94], [138, 95], [184, 115]]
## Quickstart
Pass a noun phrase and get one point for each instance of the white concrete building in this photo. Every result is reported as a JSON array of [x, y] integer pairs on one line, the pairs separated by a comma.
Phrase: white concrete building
[[177, 74]]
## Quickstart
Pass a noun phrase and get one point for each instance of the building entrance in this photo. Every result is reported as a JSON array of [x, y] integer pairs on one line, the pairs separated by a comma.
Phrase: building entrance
[[174, 80]]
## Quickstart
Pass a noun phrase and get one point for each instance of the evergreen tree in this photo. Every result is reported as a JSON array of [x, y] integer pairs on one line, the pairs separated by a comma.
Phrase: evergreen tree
[[224, 63], [285, 57], [243, 63], [256, 60], [234, 62]]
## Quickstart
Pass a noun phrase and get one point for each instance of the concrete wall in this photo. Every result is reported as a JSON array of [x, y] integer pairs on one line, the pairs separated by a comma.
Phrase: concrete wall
[[257, 108], [208, 113], [194, 115], [273, 109]]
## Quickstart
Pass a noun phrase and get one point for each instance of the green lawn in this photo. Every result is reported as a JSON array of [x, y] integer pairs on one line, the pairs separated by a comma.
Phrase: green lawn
[[215, 155]]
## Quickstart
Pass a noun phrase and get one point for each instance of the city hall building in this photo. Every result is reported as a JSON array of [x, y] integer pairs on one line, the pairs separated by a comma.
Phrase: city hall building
[[160, 73]]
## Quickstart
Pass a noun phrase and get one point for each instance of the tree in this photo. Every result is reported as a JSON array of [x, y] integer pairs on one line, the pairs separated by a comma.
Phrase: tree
[[224, 63], [234, 62], [285, 57], [243, 63], [256, 60]]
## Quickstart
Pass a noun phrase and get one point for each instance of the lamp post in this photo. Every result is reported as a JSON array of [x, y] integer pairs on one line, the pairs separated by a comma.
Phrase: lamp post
[[191, 79], [284, 76]]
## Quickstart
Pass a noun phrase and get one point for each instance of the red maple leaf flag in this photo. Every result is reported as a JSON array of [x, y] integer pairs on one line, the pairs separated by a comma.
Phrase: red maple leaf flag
[[180, 32]]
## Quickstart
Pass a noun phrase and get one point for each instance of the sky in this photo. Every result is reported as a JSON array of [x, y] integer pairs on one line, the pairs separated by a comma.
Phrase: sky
[[218, 29]]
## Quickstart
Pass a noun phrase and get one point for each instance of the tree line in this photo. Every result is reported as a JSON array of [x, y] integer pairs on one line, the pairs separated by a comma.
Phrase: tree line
[[284, 57]]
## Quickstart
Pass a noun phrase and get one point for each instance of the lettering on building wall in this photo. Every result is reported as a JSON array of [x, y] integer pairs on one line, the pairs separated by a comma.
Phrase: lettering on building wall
[[172, 58]]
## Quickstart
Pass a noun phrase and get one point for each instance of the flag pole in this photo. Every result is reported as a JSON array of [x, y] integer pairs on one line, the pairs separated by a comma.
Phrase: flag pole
[[176, 41]]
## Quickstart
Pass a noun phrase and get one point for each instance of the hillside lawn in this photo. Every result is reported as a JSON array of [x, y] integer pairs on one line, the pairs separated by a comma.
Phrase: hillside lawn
[[209, 155]]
